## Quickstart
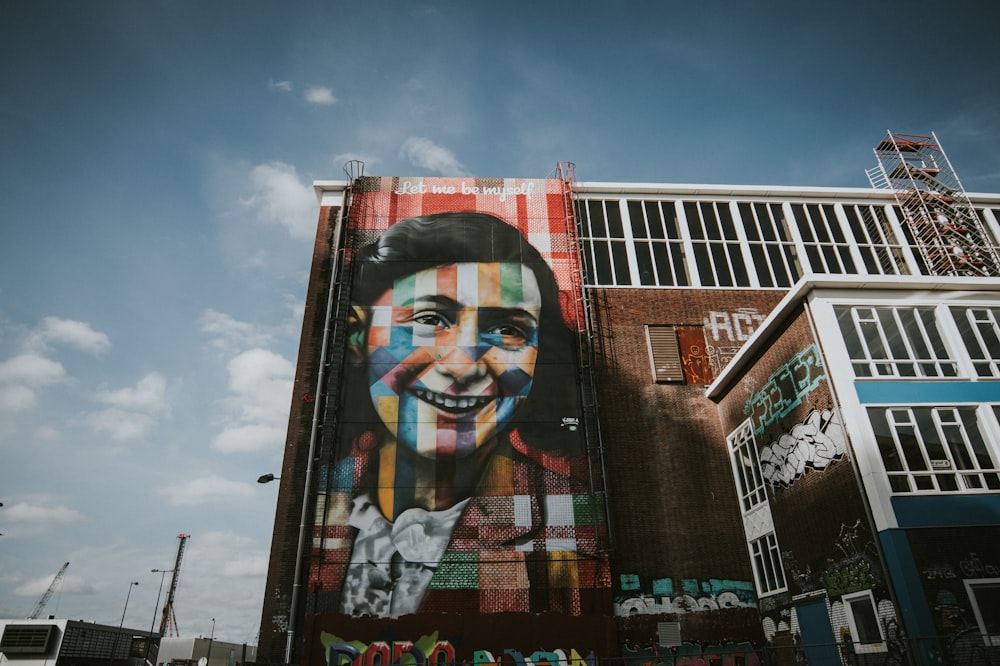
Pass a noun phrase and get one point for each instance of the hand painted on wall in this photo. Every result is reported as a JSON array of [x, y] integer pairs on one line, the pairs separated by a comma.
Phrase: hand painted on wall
[[813, 444], [695, 359], [431, 650], [786, 388], [691, 596]]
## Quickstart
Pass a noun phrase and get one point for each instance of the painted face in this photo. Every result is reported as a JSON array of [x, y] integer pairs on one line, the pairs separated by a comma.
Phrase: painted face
[[451, 354]]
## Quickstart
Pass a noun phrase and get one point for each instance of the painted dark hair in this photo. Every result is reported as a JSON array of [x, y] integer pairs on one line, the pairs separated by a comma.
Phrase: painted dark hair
[[419, 243]]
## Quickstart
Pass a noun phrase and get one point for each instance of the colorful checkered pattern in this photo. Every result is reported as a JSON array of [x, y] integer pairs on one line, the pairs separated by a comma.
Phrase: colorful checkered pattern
[[529, 539], [539, 208], [529, 542]]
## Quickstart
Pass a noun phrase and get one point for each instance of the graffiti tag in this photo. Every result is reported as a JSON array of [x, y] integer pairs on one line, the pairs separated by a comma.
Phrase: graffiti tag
[[786, 388], [430, 650], [813, 444], [692, 596]]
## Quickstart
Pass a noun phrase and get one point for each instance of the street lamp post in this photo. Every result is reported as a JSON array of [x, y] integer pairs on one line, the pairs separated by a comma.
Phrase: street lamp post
[[114, 646], [210, 639], [163, 573]]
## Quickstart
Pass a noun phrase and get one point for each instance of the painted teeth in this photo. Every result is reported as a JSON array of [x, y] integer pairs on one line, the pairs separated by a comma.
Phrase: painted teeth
[[450, 402]]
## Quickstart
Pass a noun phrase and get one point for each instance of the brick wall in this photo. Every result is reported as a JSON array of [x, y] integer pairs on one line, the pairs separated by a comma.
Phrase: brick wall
[[674, 509], [284, 541]]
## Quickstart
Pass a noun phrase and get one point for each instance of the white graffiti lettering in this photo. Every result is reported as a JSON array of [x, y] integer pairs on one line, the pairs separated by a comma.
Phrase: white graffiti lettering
[[813, 444], [737, 326]]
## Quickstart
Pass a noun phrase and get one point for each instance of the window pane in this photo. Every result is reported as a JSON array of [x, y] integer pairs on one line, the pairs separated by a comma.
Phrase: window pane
[[693, 220], [654, 220], [620, 257], [865, 620], [988, 601], [598, 227], [635, 218], [645, 264], [614, 219]]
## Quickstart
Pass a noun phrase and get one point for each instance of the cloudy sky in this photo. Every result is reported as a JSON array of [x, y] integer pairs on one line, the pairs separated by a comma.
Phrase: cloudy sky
[[157, 214]]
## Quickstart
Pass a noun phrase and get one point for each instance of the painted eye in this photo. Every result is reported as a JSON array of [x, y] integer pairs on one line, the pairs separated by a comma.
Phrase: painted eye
[[431, 318], [508, 331]]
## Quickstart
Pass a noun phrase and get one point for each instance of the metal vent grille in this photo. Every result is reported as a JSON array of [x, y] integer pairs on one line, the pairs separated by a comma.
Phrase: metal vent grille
[[665, 354], [26, 638], [669, 633]]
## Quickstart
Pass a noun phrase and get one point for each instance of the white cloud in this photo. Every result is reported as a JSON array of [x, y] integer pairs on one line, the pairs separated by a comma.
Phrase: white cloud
[[423, 152], [16, 398], [249, 438], [262, 383], [205, 490], [68, 332], [133, 411], [260, 386], [31, 369], [230, 334], [21, 375], [245, 566], [281, 197], [37, 515], [47, 433], [121, 425], [320, 95], [148, 395], [70, 584], [281, 86]]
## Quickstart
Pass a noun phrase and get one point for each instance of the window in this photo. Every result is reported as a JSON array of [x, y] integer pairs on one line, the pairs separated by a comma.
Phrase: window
[[717, 247], [659, 251], [605, 252], [894, 342], [877, 244], [984, 593], [934, 449], [770, 243], [746, 467], [866, 630], [767, 564], [827, 248], [981, 336], [664, 354]]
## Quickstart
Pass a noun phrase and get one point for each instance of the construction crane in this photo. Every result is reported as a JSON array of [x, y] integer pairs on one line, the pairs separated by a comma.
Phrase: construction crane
[[168, 621], [48, 593]]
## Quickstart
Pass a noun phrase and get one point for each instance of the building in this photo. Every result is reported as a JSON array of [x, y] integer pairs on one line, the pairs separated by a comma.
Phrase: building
[[73, 643], [781, 443], [191, 652]]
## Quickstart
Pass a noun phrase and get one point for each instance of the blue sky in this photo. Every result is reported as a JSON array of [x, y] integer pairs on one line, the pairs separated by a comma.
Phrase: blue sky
[[157, 215]]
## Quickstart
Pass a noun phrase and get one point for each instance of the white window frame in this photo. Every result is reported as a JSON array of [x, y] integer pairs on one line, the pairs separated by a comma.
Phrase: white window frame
[[859, 647], [750, 486], [969, 479], [970, 585], [889, 366], [764, 552], [992, 365]]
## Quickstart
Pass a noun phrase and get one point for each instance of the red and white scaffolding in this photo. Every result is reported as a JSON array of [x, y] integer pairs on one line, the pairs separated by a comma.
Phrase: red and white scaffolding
[[947, 233]]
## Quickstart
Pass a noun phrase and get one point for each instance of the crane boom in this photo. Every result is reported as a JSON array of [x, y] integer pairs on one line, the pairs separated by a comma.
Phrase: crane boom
[[48, 593], [168, 621]]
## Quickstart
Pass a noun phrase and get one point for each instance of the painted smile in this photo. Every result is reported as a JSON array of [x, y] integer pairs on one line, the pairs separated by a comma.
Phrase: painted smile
[[453, 404]]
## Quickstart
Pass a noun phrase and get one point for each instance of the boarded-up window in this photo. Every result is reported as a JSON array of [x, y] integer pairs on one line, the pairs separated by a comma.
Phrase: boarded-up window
[[664, 354]]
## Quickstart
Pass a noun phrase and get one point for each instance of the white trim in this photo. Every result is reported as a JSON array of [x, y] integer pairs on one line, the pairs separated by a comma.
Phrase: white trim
[[859, 647], [970, 585]]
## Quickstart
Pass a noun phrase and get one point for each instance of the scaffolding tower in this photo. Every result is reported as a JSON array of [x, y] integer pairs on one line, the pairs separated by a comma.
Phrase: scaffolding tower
[[944, 228]]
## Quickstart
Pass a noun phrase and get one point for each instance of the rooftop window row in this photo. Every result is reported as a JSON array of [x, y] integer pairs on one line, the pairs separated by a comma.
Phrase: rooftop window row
[[743, 244]]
